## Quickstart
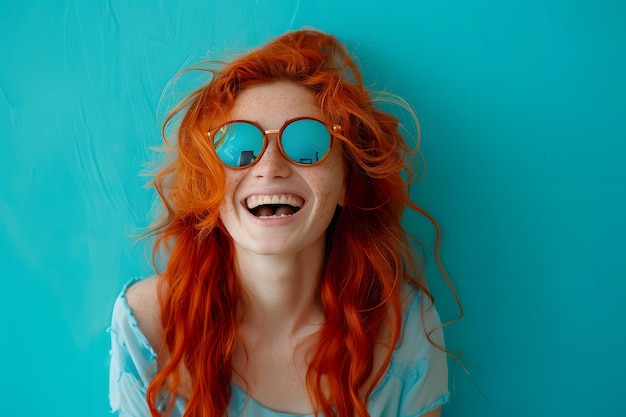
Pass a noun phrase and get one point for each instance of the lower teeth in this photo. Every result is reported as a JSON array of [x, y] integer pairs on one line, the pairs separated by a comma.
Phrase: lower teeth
[[274, 216]]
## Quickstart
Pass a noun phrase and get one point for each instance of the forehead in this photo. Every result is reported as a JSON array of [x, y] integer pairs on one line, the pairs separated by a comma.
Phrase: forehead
[[271, 104]]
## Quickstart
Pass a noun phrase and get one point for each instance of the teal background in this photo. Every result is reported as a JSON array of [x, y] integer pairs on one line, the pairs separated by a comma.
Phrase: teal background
[[522, 106]]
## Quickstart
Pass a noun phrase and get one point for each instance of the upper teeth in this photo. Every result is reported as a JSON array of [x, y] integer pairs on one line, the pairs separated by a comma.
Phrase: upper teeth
[[260, 200]]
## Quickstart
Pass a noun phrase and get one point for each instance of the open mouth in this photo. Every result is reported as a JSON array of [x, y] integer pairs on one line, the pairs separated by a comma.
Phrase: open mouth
[[274, 206]]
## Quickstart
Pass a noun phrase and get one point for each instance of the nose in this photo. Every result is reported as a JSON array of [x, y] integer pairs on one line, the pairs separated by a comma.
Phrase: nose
[[272, 163]]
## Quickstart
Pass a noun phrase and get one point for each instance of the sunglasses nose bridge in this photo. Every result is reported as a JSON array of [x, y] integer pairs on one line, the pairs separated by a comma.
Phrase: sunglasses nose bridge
[[271, 162], [272, 133]]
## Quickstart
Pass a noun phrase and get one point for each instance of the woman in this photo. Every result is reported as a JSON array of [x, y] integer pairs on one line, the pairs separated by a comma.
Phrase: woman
[[289, 286]]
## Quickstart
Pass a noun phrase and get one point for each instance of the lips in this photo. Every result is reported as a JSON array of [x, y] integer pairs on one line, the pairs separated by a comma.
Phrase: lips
[[273, 205]]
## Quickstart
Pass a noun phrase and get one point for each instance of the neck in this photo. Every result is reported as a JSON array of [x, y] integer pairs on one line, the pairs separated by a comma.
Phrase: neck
[[281, 291]]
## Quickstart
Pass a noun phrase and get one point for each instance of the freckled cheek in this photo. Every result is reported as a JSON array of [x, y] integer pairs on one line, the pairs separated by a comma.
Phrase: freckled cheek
[[228, 200], [329, 195]]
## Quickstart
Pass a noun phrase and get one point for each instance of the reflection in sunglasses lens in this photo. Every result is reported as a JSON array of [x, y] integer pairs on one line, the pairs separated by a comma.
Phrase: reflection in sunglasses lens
[[306, 141], [303, 141]]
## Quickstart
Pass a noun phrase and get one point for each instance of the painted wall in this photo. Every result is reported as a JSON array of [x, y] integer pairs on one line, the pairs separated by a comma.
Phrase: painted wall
[[522, 108]]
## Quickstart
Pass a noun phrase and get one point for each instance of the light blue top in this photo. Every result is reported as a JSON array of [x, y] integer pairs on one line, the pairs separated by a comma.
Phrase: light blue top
[[415, 382]]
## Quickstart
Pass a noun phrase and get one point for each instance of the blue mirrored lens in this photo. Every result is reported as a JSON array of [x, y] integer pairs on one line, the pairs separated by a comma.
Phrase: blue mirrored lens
[[238, 144], [306, 141]]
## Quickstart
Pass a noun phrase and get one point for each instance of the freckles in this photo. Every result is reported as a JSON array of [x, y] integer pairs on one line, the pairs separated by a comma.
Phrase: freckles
[[231, 182]]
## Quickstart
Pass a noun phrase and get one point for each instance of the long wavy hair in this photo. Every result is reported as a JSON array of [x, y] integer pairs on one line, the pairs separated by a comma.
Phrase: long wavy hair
[[369, 257]]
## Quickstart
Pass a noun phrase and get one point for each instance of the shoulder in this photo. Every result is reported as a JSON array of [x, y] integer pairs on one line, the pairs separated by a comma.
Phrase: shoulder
[[421, 317], [134, 339], [421, 330], [416, 380], [141, 294], [421, 338], [142, 300]]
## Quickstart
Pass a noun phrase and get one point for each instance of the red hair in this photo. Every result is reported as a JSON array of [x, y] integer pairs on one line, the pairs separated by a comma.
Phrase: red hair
[[368, 256]]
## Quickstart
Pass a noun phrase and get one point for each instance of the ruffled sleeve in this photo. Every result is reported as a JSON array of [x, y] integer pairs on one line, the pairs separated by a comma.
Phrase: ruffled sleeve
[[133, 362], [417, 379]]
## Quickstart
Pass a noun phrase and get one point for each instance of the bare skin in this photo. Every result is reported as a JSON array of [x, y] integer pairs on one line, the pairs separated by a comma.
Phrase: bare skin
[[279, 261], [142, 299]]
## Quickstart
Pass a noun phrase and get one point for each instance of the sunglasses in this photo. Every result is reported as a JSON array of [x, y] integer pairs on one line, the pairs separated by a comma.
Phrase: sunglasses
[[303, 140]]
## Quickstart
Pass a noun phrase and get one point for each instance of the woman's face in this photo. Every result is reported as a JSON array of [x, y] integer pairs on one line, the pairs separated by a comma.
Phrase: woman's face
[[304, 198]]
